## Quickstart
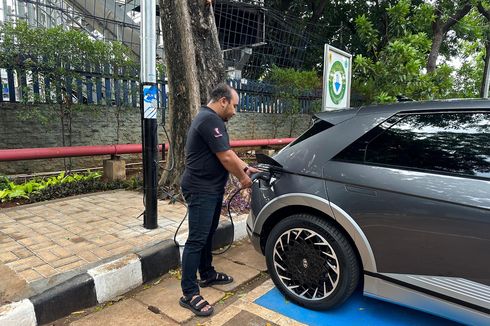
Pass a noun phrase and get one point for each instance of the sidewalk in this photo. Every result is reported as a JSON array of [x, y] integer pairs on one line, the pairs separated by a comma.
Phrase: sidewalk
[[45, 244], [157, 302]]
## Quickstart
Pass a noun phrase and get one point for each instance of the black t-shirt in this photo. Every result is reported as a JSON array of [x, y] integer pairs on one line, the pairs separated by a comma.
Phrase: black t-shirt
[[204, 172]]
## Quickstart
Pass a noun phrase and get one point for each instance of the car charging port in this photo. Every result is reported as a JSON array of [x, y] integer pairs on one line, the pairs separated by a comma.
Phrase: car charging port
[[263, 175]]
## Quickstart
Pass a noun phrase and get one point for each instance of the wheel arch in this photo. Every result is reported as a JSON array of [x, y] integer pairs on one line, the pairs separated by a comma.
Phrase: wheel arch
[[291, 204]]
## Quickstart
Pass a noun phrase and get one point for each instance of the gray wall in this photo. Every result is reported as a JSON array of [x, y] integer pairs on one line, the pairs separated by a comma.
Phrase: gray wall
[[34, 127]]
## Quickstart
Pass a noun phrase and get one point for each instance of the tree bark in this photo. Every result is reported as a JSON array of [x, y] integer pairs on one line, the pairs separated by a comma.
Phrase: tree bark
[[485, 82], [440, 29], [437, 37], [194, 65], [209, 57], [318, 9], [183, 87]]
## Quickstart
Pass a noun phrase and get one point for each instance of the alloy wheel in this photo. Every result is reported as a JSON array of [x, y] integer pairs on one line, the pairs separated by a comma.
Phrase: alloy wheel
[[306, 264]]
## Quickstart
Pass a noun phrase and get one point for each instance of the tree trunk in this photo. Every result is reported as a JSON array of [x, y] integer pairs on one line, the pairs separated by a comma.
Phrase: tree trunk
[[209, 57], [194, 65], [440, 29], [183, 87], [485, 81], [437, 38], [318, 9]]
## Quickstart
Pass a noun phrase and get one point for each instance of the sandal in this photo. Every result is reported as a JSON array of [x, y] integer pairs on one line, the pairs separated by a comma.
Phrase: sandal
[[195, 305], [219, 278]]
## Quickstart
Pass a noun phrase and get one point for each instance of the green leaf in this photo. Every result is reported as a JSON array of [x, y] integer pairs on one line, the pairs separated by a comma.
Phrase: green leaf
[[28, 187]]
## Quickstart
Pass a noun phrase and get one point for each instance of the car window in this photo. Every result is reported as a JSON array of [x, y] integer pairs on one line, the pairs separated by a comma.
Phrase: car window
[[318, 126], [446, 142]]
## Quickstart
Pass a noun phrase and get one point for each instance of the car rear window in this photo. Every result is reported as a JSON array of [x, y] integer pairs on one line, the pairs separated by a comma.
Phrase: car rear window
[[452, 142], [318, 126]]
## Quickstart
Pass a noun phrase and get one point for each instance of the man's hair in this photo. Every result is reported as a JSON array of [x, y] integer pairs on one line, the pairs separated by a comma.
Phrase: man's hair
[[220, 91]]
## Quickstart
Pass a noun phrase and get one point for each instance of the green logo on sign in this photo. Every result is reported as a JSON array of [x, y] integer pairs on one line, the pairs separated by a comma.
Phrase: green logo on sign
[[337, 83]]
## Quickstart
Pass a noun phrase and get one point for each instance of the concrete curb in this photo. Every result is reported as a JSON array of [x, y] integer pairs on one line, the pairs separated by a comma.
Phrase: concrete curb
[[107, 281]]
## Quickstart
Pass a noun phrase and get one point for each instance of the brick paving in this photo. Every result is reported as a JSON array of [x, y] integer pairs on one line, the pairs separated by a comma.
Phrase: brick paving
[[234, 303], [42, 240]]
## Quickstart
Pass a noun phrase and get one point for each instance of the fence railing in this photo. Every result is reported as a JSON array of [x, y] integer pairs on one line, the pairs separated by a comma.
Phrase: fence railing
[[106, 87], [262, 97]]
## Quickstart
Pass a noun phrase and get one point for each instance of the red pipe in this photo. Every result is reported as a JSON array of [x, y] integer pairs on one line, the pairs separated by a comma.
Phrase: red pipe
[[118, 149]]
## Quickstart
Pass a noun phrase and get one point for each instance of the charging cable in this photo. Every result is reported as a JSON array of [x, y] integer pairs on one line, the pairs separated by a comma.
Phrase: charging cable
[[228, 206]]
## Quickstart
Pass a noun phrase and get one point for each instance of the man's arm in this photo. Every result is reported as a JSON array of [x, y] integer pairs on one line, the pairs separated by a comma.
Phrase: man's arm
[[236, 166]]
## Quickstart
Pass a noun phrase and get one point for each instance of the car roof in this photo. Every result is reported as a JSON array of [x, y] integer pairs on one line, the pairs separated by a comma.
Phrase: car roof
[[337, 116]]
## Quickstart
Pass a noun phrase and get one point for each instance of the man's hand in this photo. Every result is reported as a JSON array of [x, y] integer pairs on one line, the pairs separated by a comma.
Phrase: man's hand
[[246, 182], [251, 170]]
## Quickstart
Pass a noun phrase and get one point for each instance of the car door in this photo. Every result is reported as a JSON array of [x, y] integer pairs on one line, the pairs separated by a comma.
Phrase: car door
[[419, 187]]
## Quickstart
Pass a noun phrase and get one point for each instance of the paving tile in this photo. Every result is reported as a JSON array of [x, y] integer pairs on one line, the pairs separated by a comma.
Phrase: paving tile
[[5, 218], [81, 230], [60, 251], [240, 273], [88, 256], [26, 263], [46, 255], [22, 253], [8, 256], [65, 261], [30, 275], [27, 241], [105, 239], [45, 270], [64, 242], [101, 253], [218, 319], [247, 318], [165, 296], [127, 312], [122, 249], [75, 248], [43, 245], [244, 253], [71, 266]]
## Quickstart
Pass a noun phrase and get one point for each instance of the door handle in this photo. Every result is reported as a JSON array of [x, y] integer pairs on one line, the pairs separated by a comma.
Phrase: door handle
[[361, 190]]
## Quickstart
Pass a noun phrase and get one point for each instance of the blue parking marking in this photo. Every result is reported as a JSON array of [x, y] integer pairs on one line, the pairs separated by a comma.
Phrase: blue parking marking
[[358, 310]]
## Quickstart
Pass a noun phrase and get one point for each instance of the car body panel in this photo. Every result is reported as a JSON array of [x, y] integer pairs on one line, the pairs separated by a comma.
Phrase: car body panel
[[256, 223], [423, 236], [389, 291], [408, 209]]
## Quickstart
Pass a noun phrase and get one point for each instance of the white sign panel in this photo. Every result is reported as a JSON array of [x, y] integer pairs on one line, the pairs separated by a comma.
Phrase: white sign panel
[[337, 77]]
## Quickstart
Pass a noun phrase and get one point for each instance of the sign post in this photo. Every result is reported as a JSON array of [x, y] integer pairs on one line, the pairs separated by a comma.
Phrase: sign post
[[337, 78], [148, 106]]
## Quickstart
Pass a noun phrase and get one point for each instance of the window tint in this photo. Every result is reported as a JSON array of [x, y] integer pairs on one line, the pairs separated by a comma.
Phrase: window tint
[[318, 126], [445, 142], [357, 151]]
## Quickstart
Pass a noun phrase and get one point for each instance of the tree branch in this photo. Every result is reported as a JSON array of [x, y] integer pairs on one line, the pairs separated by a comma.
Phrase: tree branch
[[318, 11], [483, 11], [456, 17]]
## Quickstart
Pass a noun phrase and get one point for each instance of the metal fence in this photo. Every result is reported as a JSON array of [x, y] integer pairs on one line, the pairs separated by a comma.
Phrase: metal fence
[[96, 86], [91, 86]]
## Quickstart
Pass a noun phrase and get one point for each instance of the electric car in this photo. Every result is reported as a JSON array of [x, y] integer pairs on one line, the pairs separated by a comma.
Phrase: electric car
[[394, 198]]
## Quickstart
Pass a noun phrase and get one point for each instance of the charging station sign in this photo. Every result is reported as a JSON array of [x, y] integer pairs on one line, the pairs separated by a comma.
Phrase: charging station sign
[[337, 77]]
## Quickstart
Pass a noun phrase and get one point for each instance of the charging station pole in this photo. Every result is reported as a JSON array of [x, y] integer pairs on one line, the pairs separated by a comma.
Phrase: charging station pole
[[148, 106]]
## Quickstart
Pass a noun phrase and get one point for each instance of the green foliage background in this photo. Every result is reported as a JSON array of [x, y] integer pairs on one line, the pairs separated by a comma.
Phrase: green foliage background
[[391, 41], [397, 66], [59, 54]]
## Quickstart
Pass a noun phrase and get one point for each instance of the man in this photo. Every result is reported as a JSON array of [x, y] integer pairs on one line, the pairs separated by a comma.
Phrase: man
[[208, 161]]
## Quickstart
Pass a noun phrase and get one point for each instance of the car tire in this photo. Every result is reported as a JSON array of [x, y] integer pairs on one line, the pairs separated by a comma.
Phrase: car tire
[[311, 262]]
